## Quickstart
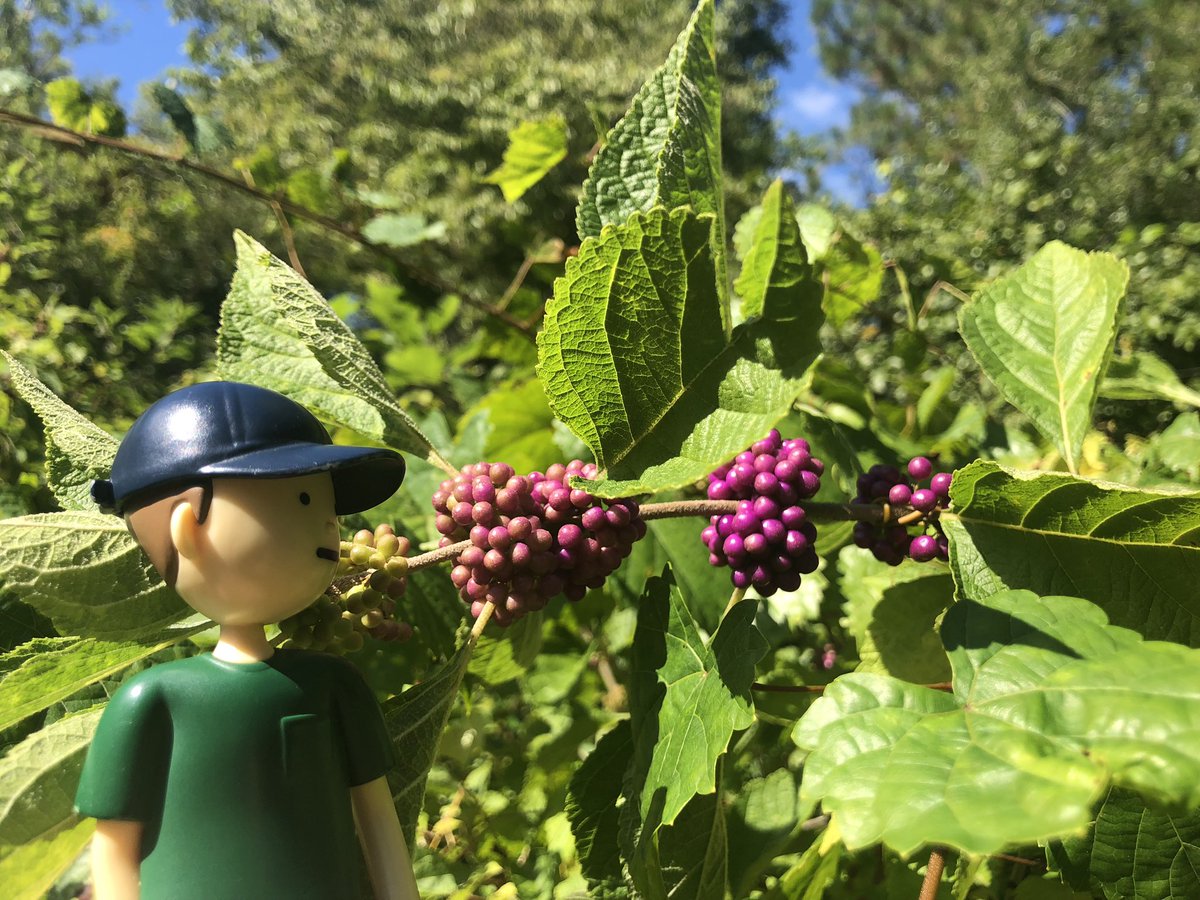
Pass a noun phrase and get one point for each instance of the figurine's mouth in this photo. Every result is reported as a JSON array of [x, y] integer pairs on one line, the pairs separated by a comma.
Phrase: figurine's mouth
[[327, 553]]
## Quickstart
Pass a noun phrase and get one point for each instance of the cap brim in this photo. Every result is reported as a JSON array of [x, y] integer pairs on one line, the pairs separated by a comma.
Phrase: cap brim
[[362, 476]]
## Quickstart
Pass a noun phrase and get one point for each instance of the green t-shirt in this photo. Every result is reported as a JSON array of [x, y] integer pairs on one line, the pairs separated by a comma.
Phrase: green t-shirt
[[240, 773]]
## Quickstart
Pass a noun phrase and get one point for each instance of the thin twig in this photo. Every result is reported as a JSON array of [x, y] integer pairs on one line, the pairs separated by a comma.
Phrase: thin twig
[[50, 131], [933, 874], [477, 629], [289, 240], [828, 512]]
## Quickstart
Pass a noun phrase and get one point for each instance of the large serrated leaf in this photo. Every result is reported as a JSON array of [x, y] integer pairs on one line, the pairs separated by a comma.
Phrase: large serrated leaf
[[705, 695], [40, 833], [666, 151], [1051, 704], [278, 332], [1044, 335], [534, 148], [1135, 553], [1134, 853], [77, 451], [592, 806], [86, 573], [634, 361], [415, 721], [49, 674], [891, 613]]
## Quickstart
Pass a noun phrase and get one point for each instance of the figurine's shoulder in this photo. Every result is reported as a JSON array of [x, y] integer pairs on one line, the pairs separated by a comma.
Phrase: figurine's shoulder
[[151, 684], [293, 660]]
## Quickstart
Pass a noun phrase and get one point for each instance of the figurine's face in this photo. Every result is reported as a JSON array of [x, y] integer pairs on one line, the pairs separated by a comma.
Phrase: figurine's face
[[267, 549]]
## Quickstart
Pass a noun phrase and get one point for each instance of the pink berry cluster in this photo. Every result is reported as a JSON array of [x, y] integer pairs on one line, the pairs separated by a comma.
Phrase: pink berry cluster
[[893, 543], [767, 542], [532, 536]]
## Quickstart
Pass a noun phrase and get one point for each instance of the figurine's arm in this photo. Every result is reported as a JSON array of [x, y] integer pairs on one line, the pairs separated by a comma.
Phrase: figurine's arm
[[382, 841], [116, 859]]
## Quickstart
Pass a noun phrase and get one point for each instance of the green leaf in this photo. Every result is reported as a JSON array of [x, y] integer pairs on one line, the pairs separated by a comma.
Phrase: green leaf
[[1133, 552], [402, 229], [1143, 376], [1178, 445], [703, 695], [415, 721], [811, 875], [534, 148], [85, 573], [1135, 853], [891, 612], [633, 359], [40, 834], [850, 270], [500, 659], [666, 151], [175, 108], [278, 332], [77, 451], [520, 426], [71, 106], [1044, 335], [818, 229], [1050, 705], [592, 805], [51, 670], [761, 821], [692, 852]]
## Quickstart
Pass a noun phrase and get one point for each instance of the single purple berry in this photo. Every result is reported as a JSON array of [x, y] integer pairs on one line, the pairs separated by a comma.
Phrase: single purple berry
[[793, 517], [864, 535], [919, 467], [810, 483], [755, 544], [923, 548], [720, 490], [734, 548], [786, 470], [764, 463], [708, 535], [740, 578], [923, 499], [594, 518], [765, 508], [773, 530], [766, 483], [899, 494], [746, 523], [795, 543], [940, 484]]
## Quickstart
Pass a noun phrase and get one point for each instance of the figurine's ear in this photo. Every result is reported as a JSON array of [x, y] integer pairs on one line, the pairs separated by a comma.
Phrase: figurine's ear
[[185, 528]]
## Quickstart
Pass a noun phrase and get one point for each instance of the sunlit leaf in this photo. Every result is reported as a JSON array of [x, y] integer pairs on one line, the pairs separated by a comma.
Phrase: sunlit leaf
[[534, 148]]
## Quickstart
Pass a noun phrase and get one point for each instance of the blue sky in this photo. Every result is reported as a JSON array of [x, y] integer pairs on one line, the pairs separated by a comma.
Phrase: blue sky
[[144, 42]]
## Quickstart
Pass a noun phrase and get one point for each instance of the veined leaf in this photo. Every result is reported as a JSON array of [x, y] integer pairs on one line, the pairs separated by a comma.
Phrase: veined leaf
[[40, 834], [1050, 705], [1044, 335], [592, 805], [705, 695], [48, 674], [891, 613], [74, 107], [666, 151], [1133, 552], [1134, 853], [509, 655], [634, 361], [403, 229], [534, 148], [85, 572], [77, 451], [1144, 376], [415, 720], [278, 332]]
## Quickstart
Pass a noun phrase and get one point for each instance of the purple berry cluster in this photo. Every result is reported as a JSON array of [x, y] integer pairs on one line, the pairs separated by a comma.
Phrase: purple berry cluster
[[767, 542], [892, 543], [533, 536]]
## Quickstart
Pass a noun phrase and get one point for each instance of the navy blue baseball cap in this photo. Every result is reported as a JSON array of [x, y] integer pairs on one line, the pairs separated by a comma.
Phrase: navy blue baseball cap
[[228, 429]]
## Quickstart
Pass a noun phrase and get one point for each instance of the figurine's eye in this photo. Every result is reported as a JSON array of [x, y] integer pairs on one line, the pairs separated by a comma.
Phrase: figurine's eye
[[304, 498]]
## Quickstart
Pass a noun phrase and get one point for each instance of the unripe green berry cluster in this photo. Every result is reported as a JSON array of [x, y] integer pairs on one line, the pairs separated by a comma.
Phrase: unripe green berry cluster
[[339, 622]]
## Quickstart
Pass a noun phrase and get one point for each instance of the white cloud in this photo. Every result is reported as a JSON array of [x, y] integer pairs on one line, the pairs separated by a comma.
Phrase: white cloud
[[817, 102]]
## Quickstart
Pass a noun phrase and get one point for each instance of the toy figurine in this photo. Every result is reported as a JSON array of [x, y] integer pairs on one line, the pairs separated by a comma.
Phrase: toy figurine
[[242, 773]]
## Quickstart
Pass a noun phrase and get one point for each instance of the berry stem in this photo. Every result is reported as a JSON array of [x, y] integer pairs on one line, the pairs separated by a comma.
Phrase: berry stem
[[484, 615], [828, 512], [933, 874], [738, 595]]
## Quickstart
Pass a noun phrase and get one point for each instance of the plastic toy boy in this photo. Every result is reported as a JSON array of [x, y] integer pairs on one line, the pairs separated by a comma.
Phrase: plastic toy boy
[[242, 773]]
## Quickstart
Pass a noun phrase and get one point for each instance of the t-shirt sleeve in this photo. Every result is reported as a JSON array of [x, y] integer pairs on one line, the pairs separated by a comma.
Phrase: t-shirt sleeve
[[123, 774], [365, 738]]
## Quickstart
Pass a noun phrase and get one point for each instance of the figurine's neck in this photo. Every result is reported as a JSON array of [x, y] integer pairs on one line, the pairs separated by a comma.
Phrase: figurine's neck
[[243, 644]]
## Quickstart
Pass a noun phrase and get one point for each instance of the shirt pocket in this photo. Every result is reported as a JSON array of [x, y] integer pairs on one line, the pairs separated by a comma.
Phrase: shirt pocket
[[307, 744]]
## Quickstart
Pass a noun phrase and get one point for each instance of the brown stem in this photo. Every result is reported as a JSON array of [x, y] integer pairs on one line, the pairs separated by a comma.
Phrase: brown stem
[[828, 512], [433, 557], [933, 874], [50, 131]]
